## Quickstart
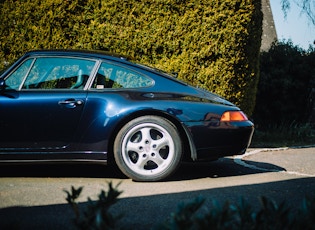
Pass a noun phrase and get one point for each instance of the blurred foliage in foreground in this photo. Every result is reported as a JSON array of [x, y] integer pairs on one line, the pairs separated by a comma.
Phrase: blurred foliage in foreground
[[97, 214]]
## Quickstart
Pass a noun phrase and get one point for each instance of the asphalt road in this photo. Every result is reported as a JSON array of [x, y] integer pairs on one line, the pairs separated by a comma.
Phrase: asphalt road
[[33, 197]]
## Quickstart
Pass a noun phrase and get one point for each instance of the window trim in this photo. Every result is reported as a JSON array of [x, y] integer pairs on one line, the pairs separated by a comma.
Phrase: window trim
[[102, 61], [35, 57]]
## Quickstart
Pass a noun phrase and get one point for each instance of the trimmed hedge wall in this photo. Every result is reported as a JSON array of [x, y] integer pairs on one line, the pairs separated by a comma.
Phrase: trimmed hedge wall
[[211, 44]]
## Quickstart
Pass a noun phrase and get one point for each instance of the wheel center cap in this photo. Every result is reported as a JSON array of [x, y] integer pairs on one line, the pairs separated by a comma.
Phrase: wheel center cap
[[147, 148]]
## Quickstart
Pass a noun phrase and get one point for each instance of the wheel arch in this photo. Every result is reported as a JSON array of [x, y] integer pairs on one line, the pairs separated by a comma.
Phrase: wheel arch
[[187, 144]]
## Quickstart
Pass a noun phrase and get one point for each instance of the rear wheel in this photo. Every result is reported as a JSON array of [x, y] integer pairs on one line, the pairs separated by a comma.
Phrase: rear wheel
[[148, 148]]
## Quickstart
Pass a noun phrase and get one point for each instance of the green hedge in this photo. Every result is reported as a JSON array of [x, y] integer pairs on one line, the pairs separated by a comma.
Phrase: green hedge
[[211, 44]]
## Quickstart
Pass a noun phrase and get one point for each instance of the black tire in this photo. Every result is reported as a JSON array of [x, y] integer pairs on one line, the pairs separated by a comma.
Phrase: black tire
[[148, 148]]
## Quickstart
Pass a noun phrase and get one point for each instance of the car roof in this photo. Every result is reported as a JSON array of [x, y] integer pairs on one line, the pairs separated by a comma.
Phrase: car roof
[[81, 53]]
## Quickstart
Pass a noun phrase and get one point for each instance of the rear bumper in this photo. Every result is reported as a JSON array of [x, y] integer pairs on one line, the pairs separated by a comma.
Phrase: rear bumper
[[224, 139]]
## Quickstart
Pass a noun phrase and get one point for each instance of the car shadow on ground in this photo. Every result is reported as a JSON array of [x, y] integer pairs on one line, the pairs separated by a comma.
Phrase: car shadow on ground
[[224, 167]]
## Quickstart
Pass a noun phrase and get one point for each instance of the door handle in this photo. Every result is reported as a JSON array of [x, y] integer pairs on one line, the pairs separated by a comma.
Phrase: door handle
[[71, 103]]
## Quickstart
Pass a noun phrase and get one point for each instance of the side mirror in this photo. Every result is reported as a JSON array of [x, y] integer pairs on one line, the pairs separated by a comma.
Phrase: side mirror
[[2, 84]]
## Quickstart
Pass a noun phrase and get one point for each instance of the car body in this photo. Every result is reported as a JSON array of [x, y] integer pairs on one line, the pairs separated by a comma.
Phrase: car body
[[90, 106]]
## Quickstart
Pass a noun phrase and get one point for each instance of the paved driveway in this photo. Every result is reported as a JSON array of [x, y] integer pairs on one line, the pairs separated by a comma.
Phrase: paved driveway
[[298, 161], [32, 197]]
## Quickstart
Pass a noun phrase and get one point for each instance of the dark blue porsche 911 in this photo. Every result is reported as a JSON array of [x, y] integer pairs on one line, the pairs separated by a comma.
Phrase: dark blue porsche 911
[[80, 106]]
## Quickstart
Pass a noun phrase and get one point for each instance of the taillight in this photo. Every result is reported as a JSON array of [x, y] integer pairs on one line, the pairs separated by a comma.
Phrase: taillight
[[233, 116]]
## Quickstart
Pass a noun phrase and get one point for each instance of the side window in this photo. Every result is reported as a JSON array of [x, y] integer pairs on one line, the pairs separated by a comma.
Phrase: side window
[[58, 73], [114, 76], [16, 78]]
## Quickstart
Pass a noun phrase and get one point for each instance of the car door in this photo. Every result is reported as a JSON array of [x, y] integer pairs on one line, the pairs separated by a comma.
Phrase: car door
[[43, 102]]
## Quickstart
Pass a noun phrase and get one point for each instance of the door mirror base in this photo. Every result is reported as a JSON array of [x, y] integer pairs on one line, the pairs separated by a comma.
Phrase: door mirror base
[[2, 84]]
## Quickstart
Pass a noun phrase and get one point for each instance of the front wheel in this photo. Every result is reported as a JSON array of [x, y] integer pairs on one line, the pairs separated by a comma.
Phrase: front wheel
[[148, 148]]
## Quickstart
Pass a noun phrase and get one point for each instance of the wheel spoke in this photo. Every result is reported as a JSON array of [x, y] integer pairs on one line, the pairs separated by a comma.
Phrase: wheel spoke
[[160, 143], [133, 146], [157, 159], [145, 133], [141, 163]]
